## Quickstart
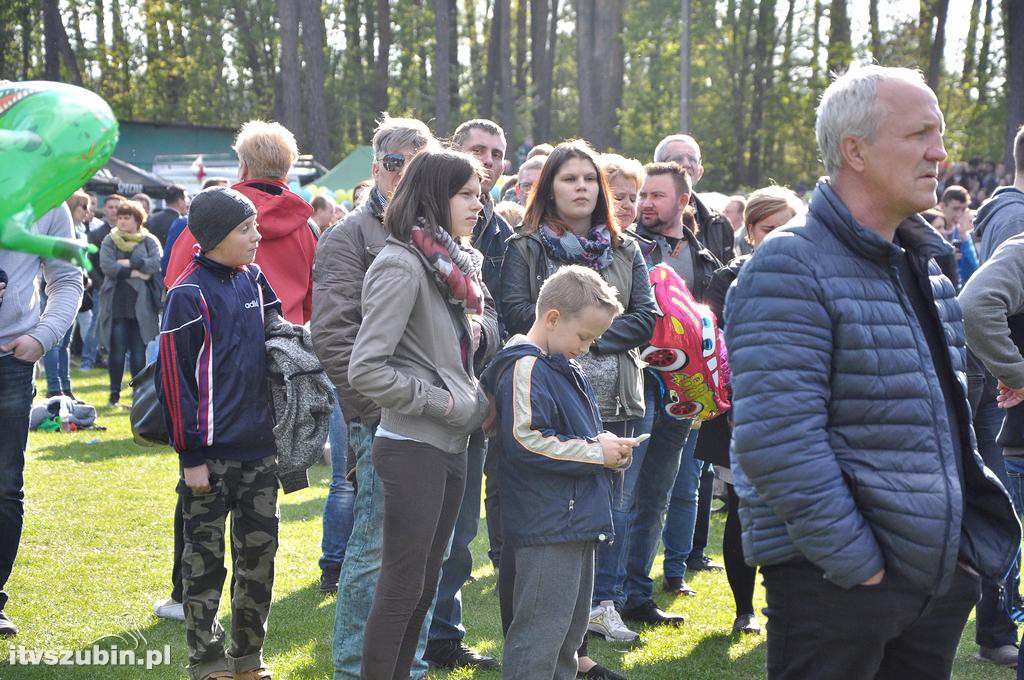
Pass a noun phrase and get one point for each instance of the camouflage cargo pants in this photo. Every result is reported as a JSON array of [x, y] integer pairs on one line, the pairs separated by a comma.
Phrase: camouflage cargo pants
[[248, 491]]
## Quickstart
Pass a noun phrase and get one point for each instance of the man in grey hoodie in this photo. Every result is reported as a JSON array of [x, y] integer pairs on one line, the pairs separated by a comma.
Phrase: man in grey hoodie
[[999, 219], [25, 335], [1002, 216]]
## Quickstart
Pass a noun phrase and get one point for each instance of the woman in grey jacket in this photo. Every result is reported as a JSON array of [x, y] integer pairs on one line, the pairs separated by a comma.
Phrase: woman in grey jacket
[[130, 301], [423, 308]]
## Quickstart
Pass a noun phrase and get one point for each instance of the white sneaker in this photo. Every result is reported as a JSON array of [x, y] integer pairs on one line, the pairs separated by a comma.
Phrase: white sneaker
[[605, 621], [169, 609]]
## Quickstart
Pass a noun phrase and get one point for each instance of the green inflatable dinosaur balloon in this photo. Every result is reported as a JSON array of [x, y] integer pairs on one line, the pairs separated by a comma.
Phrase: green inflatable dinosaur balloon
[[53, 139]]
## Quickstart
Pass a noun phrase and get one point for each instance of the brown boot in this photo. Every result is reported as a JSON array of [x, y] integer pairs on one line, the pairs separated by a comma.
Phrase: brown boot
[[255, 674]]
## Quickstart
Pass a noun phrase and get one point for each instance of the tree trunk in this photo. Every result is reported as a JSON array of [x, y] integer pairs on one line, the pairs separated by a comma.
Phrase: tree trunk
[[610, 35], [1013, 29], [970, 51], [925, 28], [313, 43], [442, 75], [252, 55], [289, 78], [684, 66], [380, 98], [764, 48], [508, 111], [493, 74], [599, 62], [76, 26], [816, 44], [453, 57], [99, 14], [521, 42], [538, 57], [938, 44], [839, 51], [51, 43], [876, 34], [585, 68], [984, 58]]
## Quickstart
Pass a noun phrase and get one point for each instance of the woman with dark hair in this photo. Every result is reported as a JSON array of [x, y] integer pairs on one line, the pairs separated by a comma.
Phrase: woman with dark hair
[[424, 326], [570, 219]]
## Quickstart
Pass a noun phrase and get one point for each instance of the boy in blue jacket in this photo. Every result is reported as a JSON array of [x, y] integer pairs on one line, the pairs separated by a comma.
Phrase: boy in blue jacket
[[217, 405], [555, 471]]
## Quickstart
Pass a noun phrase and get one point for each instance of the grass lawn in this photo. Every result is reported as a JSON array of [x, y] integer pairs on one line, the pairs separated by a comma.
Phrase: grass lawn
[[96, 553]]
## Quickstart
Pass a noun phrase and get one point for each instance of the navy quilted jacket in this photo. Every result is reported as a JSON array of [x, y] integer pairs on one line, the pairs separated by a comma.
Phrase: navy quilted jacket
[[840, 447]]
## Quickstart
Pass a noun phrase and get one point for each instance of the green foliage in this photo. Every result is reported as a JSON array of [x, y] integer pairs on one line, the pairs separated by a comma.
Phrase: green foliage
[[216, 62]]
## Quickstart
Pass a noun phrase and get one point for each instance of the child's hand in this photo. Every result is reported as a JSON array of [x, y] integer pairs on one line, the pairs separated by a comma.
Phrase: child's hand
[[198, 478], [617, 451]]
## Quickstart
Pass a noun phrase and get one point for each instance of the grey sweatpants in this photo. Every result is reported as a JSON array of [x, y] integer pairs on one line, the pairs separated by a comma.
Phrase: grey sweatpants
[[551, 609]]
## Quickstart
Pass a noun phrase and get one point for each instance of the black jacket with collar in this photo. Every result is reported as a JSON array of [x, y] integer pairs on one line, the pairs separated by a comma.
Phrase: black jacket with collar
[[705, 263], [715, 231]]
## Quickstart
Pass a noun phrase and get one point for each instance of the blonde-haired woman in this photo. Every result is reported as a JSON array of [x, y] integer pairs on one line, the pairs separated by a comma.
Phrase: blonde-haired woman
[[625, 177]]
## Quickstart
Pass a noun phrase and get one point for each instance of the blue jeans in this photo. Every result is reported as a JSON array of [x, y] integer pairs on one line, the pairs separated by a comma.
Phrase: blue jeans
[[340, 497], [361, 567], [1014, 468], [17, 388], [682, 511], [89, 340], [994, 627], [124, 339], [458, 565], [56, 364], [639, 499]]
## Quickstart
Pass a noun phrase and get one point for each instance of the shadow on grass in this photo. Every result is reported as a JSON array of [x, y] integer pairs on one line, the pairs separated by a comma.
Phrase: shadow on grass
[[312, 508], [104, 449]]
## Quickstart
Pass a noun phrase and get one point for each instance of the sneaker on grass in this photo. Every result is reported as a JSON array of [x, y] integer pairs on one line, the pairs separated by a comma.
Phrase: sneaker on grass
[[169, 609], [605, 621]]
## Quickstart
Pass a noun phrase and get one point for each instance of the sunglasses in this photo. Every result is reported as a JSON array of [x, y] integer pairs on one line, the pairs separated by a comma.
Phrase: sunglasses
[[392, 162]]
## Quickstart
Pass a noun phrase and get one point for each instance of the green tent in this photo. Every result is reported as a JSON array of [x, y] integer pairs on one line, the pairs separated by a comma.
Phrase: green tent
[[350, 172]]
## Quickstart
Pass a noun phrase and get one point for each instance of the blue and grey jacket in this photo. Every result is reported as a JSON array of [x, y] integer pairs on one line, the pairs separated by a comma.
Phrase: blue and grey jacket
[[555, 488], [841, 446]]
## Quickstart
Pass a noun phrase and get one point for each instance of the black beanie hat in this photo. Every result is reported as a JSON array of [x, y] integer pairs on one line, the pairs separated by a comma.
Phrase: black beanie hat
[[214, 212]]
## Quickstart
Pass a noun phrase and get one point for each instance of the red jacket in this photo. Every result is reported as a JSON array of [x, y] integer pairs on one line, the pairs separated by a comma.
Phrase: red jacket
[[285, 254]]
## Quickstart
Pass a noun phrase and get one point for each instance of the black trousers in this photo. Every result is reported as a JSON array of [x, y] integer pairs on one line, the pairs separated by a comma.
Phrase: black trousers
[[886, 632], [423, 488]]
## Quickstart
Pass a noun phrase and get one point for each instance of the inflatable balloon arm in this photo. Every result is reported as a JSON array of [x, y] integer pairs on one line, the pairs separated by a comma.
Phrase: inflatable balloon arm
[[15, 234], [53, 139]]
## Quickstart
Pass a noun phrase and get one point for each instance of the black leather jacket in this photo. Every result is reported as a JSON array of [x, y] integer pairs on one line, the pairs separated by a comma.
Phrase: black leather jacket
[[715, 231], [704, 261]]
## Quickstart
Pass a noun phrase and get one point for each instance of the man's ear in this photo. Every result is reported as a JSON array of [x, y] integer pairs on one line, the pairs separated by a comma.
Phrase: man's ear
[[375, 171], [852, 150]]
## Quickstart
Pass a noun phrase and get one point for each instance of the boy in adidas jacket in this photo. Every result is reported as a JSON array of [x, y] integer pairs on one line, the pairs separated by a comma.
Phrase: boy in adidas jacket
[[556, 487], [219, 414]]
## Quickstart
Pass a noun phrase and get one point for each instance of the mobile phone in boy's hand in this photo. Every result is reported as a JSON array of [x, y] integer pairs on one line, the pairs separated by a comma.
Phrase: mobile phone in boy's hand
[[641, 438]]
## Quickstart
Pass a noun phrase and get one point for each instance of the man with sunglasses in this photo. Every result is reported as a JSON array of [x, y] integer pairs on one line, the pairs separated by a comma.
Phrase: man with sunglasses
[[342, 258], [485, 141]]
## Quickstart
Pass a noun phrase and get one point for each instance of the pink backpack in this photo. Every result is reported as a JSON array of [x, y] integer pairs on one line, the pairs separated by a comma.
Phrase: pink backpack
[[687, 351]]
